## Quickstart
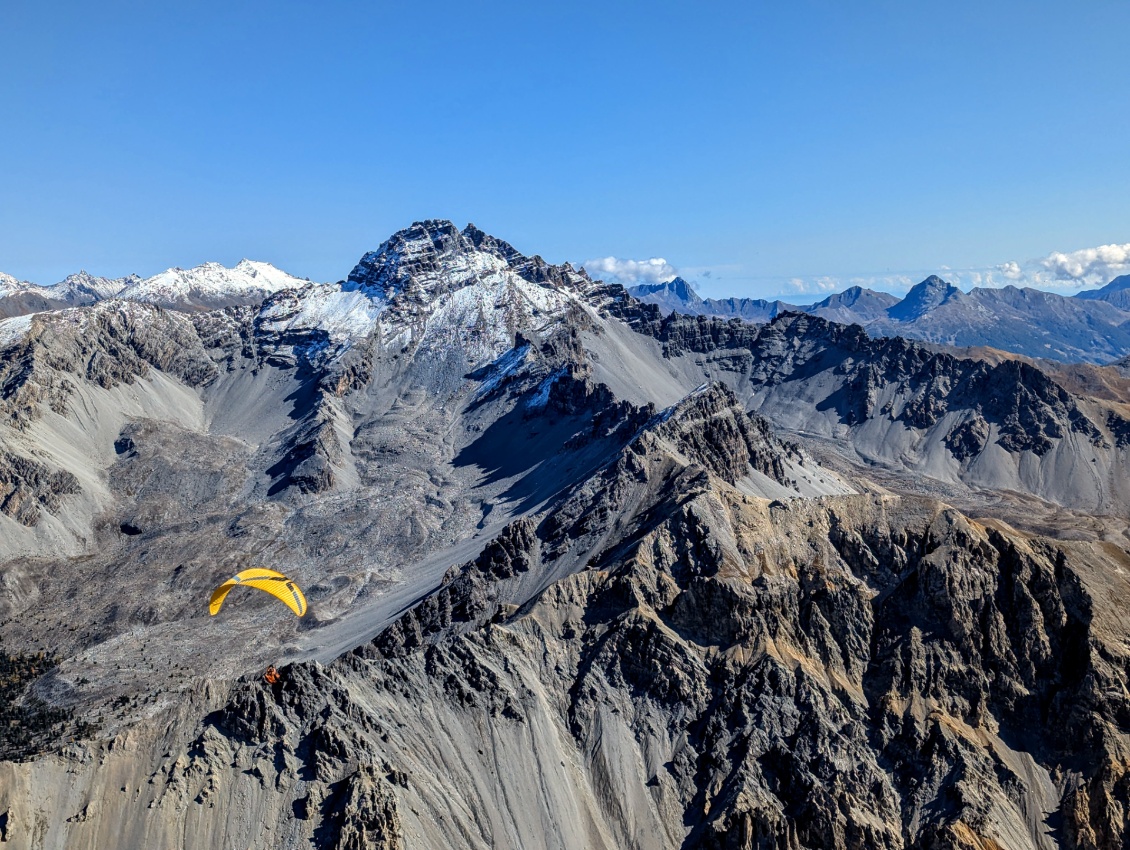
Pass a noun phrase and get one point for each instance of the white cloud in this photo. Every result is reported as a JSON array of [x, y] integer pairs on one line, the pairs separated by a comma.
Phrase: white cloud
[[654, 270], [898, 284], [1089, 265], [823, 285], [827, 284], [1011, 270]]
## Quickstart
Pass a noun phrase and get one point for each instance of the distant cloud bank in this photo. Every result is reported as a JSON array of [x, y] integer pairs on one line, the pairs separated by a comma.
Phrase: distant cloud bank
[[1061, 272], [618, 270], [1065, 273], [824, 285], [1090, 265]]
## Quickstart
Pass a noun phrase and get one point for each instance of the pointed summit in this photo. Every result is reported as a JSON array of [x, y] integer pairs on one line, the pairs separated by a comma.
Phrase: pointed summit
[[675, 295], [424, 248], [924, 297], [430, 258], [681, 288]]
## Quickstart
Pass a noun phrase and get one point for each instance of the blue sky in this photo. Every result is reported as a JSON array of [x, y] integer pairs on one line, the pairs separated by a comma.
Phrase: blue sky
[[758, 148]]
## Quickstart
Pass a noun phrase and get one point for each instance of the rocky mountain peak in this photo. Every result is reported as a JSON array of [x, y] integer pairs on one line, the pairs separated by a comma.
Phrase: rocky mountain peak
[[422, 250], [852, 296], [483, 241], [10, 284], [854, 305], [1119, 283], [679, 287], [461, 295], [84, 287], [675, 294], [432, 258], [928, 295]]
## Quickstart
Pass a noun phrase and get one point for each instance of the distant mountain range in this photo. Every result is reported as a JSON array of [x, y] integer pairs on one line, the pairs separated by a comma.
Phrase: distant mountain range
[[208, 286], [1092, 327]]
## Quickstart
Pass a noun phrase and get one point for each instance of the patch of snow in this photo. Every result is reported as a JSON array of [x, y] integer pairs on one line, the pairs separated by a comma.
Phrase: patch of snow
[[480, 319], [343, 314], [540, 398], [12, 330], [502, 368]]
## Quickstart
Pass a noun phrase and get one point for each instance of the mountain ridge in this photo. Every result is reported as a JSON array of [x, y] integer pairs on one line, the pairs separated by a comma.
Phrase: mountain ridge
[[1091, 326], [209, 285]]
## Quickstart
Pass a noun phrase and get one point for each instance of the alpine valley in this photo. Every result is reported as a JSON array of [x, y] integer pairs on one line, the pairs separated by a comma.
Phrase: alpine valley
[[582, 572]]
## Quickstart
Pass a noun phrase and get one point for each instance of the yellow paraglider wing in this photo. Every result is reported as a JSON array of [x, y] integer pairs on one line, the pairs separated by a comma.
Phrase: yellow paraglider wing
[[276, 584]]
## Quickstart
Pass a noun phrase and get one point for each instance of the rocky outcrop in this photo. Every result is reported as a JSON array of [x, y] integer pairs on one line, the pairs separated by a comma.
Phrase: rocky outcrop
[[1028, 406], [109, 344], [27, 488], [712, 427]]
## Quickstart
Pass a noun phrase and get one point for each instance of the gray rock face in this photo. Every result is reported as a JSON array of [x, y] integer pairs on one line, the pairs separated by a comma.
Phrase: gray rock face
[[958, 420], [27, 488], [23, 303], [110, 344], [568, 587]]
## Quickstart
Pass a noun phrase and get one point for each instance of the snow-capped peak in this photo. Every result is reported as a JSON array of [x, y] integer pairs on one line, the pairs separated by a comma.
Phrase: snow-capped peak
[[413, 260], [84, 287], [267, 275], [211, 285], [432, 257], [433, 288], [11, 285]]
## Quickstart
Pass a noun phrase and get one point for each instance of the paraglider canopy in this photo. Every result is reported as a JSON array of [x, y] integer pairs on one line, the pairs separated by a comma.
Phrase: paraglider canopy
[[273, 583]]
